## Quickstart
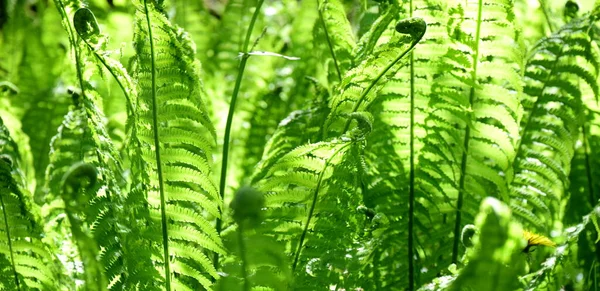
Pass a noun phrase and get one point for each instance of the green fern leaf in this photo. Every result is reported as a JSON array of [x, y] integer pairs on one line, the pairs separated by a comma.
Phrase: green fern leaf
[[26, 260], [176, 139], [558, 68], [304, 189]]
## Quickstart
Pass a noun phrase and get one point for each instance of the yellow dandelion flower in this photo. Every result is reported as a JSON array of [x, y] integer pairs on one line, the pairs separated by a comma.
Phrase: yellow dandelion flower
[[536, 240]]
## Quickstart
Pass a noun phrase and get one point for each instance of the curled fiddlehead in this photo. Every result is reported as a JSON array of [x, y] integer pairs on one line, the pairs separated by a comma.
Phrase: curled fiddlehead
[[85, 24], [80, 175], [415, 27]]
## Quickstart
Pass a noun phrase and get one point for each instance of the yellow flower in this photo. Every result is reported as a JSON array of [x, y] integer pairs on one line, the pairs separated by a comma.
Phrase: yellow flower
[[536, 240]]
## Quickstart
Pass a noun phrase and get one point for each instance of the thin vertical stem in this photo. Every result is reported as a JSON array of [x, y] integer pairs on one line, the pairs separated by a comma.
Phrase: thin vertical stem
[[329, 45], [411, 177], [163, 210], [546, 16], [226, 138], [242, 246], [465, 155]]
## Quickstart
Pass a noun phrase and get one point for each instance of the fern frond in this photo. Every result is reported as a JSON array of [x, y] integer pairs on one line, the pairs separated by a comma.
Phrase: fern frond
[[176, 140], [369, 40], [473, 125], [358, 89], [298, 128], [309, 191], [399, 111], [334, 38], [559, 67], [27, 262]]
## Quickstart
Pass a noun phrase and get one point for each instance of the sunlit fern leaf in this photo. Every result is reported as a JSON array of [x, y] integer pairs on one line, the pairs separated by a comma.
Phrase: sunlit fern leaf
[[359, 86], [298, 128], [311, 197], [472, 130], [26, 261], [559, 67], [82, 138], [369, 40], [388, 154], [176, 139], [334, 39]]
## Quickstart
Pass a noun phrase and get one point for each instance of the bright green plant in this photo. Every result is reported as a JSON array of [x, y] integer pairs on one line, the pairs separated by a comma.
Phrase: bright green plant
[[299, 145]]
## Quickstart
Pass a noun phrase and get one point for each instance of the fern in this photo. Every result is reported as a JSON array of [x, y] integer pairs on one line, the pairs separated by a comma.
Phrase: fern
[[304, 189], [549, 134], [472, 131], [338, 43], [26, 260], [176, 139], [400, 110]]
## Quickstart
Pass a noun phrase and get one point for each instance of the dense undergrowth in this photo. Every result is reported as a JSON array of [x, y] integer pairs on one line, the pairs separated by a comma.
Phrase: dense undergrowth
[[299, 145]]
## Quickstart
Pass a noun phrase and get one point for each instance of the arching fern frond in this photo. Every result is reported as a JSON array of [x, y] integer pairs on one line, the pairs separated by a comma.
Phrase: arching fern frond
[[392, 153], [358, 88], [298, 128], [311, 197], [25, 260], [473, 126], [558, 67], [176, 139], [334, 38]]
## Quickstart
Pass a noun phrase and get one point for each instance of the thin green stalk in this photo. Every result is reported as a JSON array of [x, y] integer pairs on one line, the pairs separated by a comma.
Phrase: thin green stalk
[[590, 176], [111, 71], [161, 187], [465, 155], [226, 138], [61, 9], [329, 45], [411, 176], [10, 247], [312, 206], [546, 16], [379, 76], [242, 246]]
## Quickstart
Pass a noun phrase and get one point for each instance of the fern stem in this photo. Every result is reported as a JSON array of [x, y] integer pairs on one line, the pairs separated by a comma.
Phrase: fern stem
[[242, 246], [226, 138], [411, 176], [379, 76], [465, 155], [329, 45], [111, 71], [9, 242], [546, 15], [61, 9], [590, 178], [313, 204], [588, 166], [163, 204]]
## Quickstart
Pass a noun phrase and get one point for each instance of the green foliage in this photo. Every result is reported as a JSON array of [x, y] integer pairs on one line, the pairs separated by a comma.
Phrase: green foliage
[[363, 145]]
